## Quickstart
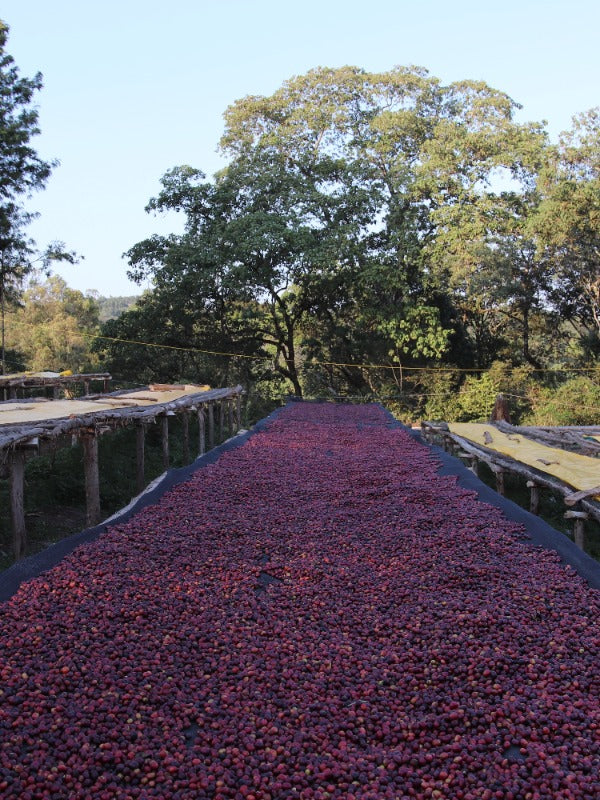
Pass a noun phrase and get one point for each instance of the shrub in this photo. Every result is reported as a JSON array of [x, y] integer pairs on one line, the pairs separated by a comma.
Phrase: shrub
[[576, 402]]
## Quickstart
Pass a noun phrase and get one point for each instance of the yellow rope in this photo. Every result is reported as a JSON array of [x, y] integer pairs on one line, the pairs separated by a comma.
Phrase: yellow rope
[[321, 363]]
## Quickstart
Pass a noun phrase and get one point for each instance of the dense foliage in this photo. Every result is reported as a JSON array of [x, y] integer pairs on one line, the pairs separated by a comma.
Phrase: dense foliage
[[53, 327], [367, 228], [22, 171]]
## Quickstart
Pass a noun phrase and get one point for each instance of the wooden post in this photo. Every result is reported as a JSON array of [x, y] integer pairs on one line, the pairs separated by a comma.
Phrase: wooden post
[[185, 421], [472, 461], [211, 425], [579, 518], [201, 432], [221, 420], [230, 415], [499, 473], [140, 460], [92, 477], [165, 441], [17, 511], [534, 497], [238, 407], [86, 388]]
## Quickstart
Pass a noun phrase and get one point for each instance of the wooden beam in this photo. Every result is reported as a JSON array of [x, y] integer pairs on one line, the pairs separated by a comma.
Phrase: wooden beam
[[221, 420], [17, 510], [238, 408], [140, 457], [92, 477], [572, 499]]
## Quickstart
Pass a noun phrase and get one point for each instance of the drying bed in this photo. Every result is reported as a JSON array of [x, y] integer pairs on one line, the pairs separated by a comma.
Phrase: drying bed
[[318, 614]]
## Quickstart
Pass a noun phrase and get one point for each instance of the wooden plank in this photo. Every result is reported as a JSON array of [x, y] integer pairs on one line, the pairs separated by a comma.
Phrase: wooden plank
[[92, 477], [17, 511], [140, 457]]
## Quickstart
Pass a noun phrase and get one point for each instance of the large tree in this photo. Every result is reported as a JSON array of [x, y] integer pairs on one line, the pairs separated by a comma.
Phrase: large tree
[[347, 222], [567, 224], [21, 172]]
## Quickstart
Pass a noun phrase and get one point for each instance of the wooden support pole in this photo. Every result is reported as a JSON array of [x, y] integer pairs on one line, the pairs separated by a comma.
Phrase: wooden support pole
[[201, 432], [211, 425], [86, 388], [238, 408], [579, 518], [472, 460], [140, 457], [17, 510], [230, 416], [164, 420], [185, 421], [499, 473], [92, 477], [534, 497], [221, 420]]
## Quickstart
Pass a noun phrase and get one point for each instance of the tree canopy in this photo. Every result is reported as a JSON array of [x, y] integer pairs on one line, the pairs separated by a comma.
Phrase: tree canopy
[[22, 171], [370, 223]]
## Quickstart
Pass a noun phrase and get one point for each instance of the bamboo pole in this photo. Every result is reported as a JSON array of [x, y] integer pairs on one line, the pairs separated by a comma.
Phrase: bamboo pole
[[92, 477], [17, 511]]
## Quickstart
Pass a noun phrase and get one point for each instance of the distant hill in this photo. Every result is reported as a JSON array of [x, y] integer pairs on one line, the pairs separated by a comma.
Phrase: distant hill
[[113, 307]]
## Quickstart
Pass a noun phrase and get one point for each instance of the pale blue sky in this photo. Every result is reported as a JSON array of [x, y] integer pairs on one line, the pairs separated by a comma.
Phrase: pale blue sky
[[135, 87]]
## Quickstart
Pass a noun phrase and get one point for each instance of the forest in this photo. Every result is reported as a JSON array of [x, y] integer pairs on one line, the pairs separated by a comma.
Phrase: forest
[[372, 236]]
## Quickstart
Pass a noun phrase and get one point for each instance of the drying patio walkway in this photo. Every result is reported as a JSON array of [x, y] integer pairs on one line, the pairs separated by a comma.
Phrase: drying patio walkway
[[318, 614]]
